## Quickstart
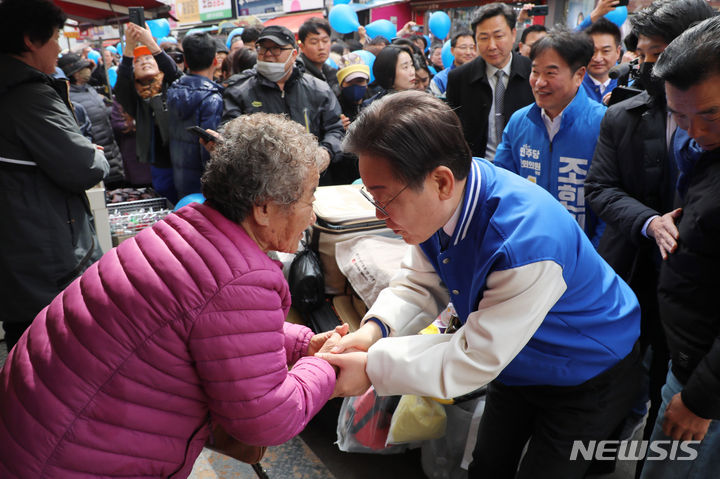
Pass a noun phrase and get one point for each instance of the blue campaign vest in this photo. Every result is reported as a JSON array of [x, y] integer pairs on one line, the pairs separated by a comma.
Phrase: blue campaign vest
[[559, 166], [505, 223]]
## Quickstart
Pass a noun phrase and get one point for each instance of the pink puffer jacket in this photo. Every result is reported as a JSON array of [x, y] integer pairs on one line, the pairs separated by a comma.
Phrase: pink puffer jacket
[[120, 375]]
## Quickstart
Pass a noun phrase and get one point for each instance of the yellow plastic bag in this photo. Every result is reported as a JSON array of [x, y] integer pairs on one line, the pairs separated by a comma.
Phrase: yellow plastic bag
[[416, 418]]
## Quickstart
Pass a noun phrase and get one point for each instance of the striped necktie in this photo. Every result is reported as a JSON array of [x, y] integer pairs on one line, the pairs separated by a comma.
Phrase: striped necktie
[[499, 107]]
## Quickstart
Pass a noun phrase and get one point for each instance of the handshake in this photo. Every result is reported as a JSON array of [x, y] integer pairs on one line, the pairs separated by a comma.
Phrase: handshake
[[347, 353]]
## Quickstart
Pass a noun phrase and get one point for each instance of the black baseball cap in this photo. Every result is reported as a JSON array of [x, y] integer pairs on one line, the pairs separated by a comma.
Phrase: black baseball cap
[[71, 63], [278, 34]]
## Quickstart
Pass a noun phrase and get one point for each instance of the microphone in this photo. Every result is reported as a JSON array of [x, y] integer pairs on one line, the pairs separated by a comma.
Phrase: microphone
[[620, 70]]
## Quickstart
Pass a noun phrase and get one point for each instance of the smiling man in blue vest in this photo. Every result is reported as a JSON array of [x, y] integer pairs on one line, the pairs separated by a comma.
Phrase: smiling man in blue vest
[[543, 320]]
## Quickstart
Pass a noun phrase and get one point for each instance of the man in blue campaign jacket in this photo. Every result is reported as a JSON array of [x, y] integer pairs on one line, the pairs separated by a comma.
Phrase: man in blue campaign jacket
[[542, 318], [552, 141], [605, 36]]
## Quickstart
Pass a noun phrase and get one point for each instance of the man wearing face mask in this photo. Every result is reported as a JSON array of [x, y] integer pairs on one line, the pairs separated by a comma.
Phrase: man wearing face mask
[[353, 77], [279, 85], [78, 71], [631, 181]]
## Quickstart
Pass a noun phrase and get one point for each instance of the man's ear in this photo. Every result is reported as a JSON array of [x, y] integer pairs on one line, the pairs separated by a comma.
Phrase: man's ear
[[443, 181], [579, 75]]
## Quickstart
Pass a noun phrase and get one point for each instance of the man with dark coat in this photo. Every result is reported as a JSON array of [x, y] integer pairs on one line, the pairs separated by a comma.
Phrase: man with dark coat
[[631, 182], [472, 87], [314, 36], [46, 164], [278, 85], [687, 286], [193, 100]]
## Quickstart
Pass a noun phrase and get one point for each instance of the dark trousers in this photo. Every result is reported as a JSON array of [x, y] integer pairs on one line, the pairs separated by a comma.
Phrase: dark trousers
[[551, 418]]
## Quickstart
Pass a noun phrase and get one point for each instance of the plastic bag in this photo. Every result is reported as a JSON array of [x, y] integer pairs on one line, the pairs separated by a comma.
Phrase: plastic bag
[[307, 285], [448, 457], [417, 418], [364, 422]]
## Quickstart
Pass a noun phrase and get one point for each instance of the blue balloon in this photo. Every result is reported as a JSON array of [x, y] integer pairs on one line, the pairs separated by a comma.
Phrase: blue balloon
[[340, 2], [193, 31], [428, 43], [159, 27], [94, 56], [112, 76], [439, 24], [332, 63], [167, 40], [235, 32], [343, 19], [384, 28], [447, 57], [368, 59], [191, 198], [617, 16], [119, 47]]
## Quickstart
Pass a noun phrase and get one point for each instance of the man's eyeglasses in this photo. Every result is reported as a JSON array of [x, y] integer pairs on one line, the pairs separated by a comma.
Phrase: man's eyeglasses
[[275, 51], [377, 205]]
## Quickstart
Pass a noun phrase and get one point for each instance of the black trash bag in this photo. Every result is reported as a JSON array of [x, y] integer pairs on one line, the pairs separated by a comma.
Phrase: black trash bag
[[306, 280]]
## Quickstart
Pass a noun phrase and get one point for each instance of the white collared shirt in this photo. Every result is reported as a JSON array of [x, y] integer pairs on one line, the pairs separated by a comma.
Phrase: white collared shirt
[[450, 226], [602, 86], [553, 126], [493, 142]]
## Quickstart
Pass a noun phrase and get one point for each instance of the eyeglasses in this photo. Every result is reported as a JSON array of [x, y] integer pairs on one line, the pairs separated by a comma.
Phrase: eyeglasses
[[275, 51], [377, 205], [178, 57]]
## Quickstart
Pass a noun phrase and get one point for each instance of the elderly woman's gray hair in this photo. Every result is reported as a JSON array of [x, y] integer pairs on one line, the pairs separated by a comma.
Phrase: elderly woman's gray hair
[[262, 158]]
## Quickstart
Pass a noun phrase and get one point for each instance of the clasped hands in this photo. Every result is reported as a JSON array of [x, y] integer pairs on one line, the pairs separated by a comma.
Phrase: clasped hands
[[347, 353]]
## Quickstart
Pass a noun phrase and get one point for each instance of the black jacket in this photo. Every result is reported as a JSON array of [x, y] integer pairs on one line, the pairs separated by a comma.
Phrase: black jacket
[[46, 164], [470, 94], [688, 287], [305, 100], [631, 179], [328, 74], [152, 135], [99, 113]]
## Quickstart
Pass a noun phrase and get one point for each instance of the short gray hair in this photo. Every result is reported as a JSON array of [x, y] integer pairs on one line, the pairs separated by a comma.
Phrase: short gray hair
[[262, 158]]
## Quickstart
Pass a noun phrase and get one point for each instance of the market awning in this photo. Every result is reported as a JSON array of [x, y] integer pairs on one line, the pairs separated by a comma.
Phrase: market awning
[[293, 21], [372, 4], [104, 12]]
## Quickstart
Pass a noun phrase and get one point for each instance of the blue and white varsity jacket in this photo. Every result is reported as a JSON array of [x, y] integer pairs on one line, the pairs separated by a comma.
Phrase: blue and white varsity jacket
[[561, 165], [538, 305]]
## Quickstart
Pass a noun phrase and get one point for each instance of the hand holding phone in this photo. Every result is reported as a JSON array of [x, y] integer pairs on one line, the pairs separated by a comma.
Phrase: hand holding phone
[[136, 15], [196, 130]]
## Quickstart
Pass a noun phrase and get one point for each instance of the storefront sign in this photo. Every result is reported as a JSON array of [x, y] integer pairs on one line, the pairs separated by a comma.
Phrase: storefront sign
[[196, 11]]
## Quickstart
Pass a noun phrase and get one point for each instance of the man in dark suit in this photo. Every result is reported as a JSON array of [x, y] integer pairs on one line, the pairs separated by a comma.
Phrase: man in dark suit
[[472, 88]]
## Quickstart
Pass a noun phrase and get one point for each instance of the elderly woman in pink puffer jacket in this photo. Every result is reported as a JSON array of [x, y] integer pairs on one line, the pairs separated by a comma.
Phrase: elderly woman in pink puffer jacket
[[183, 325]]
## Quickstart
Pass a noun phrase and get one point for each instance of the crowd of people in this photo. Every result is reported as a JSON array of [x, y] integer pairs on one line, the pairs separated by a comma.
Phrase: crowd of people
[[568, 216]]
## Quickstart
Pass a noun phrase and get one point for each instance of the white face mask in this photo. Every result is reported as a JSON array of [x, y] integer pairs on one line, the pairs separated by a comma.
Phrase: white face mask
[[273, 71]]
